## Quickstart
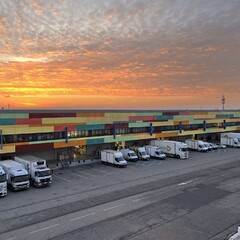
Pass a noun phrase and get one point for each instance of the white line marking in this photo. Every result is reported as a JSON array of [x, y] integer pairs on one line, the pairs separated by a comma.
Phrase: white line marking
[[99, 171], [114, 207], [137, 200], [62, 178], [55, 225], [11, 238], [90, 214], [131, 167], [86, 173], [78, 175], [184, 183]]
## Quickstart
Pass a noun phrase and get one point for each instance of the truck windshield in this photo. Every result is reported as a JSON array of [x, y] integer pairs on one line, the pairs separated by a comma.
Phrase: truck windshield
[[133, 155], [120, 159], [184, 149], [143, 153], [2, 178], [22, 178], [44, 173], [158, 152]]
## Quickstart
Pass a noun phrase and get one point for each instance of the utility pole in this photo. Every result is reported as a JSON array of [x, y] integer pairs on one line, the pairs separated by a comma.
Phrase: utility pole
[[223, 100]]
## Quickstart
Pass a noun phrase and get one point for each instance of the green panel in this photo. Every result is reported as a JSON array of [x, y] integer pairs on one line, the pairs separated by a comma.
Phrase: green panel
[[138, 124], [14, 115], [224, 115], [183, 117], [164, 118]]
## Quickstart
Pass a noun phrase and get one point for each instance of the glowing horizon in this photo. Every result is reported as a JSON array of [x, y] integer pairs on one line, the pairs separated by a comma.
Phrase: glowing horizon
[[101, 54]]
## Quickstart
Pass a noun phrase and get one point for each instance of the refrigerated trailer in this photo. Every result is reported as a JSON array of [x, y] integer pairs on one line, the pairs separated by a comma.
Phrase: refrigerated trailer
[[17, 175], [40, 174], [230, 139], [3, 182], [196, 145], [172, 148], [113, 157]]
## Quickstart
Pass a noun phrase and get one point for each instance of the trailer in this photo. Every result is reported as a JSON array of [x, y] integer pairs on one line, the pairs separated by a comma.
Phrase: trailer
[[155, 152], [129, 155], [40, 174], [113, 157], [196, 145], [230, 139], [17, 175], [3, 182], [172, 148]]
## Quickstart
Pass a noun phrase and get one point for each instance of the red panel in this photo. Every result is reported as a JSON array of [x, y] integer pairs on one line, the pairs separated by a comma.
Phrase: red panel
[[142, 118], [34, 147], [28, 121], [51, 115], [63, 128]]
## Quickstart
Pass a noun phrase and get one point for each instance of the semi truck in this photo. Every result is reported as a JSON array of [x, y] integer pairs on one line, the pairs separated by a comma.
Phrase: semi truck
[[197, 145], [141, 153], [172, 148], [129, 155], [3, 182], [17, 175], [155, 152], [40, 174], [230, 141], [113, 157]]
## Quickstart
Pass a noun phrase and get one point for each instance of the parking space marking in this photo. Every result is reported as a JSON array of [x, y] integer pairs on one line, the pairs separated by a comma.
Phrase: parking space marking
[[11, 238], [42, 229], [78, 175], [131, 167], [97, 170], [86, 173], [137, 200], [61, 178], [90, 214]]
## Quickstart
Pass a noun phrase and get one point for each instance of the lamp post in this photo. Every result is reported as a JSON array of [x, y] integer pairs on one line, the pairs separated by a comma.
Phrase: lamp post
[[223, 101]]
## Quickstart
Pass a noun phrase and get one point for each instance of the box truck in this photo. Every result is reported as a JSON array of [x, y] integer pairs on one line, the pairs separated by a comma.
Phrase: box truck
[[129, 155], [141, 152], [196, 145], [40, 174], [17, 175], [113, 157], [230, 139], [155, 152], [172, 148], [3, 182]]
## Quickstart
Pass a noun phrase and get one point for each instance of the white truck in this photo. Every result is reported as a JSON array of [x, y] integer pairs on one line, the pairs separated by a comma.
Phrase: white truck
[[172, 148], [141, 152], [17, 175], [197, 145], [3, 182], [155, 152], [40, 174], [129, 155], [228, 139], [113, 157]]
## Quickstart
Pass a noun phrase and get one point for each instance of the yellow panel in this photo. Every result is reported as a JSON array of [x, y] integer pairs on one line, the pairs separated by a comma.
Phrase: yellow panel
[[7, 149], [70, 143]]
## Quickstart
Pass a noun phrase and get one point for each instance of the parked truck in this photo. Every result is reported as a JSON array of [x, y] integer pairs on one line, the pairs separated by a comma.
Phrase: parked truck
[[196, 145], [17, 175], [3, 182], [155, 152], [172, 148], [40, 174], [129, 155], [230, 140], [141, 152], [113, 157]]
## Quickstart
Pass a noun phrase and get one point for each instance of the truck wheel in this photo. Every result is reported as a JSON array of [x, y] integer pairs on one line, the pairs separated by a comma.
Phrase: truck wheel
[[178, 157]]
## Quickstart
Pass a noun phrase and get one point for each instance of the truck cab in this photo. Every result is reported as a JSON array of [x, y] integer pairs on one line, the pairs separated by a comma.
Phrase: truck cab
[[129, 155], [142, 154], [3, 183], [155, 152]]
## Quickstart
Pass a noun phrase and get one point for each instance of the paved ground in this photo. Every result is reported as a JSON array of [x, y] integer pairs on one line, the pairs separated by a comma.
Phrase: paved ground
[[196, 199]]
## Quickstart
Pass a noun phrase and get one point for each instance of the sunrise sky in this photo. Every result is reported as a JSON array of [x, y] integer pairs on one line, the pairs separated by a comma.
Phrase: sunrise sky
[[128, 54]]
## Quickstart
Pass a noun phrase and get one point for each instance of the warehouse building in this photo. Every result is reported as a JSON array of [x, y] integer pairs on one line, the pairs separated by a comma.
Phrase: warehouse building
[[77, 135]]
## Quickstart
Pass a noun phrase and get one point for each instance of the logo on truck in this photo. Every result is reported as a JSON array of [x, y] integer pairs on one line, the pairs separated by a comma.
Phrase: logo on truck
[[167, 148]]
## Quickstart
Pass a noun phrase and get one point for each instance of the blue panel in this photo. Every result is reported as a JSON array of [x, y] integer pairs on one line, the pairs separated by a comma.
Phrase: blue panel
[[224, 115], [90, 127], [164, 118], [95, 141], [8, 121]]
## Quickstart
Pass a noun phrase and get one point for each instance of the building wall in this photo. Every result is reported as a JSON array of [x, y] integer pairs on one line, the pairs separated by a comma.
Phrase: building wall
[[17, 124]]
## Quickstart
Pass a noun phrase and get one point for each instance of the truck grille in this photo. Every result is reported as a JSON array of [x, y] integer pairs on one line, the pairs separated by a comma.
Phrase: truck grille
[[45, 180]]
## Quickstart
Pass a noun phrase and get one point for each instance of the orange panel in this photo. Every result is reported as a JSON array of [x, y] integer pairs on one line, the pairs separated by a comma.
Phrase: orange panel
[[97, 114], [163, 135], [177, 122], [70, 143]]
